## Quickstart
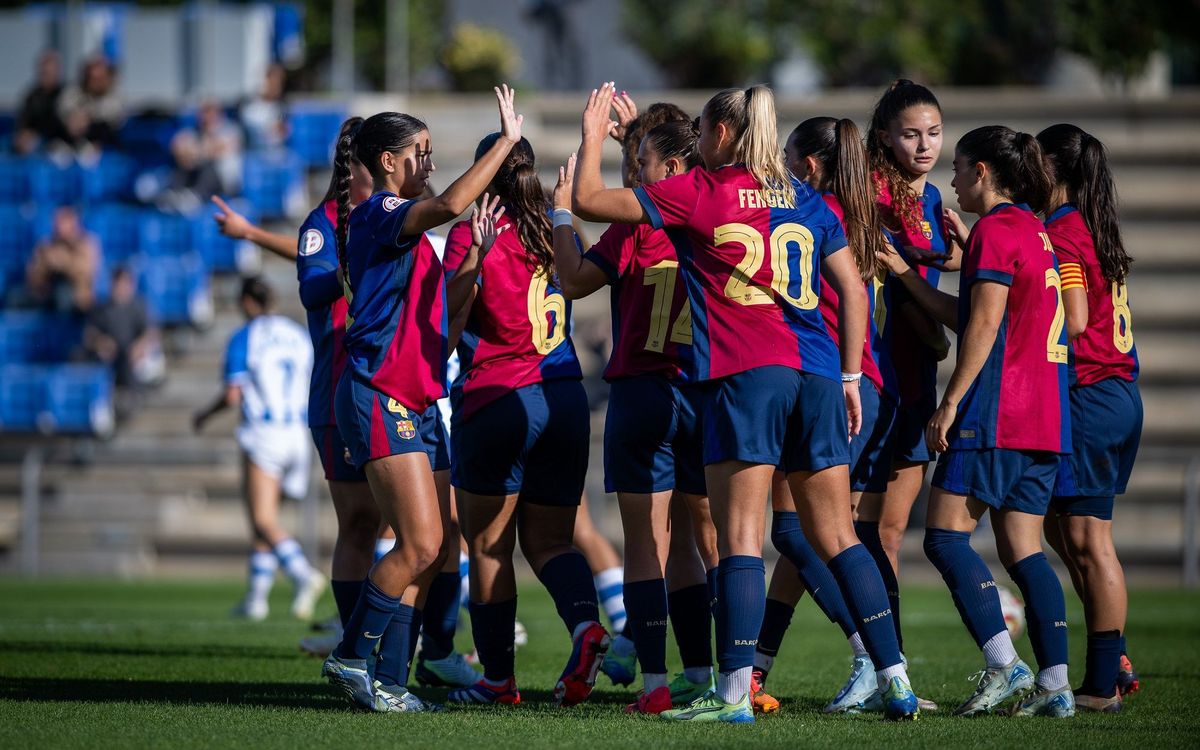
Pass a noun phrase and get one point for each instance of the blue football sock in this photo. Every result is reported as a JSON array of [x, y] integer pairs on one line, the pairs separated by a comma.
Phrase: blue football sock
[[440, 617], [646, 607], [776, 619], [814, 573], [691, 621], [492, 627], [345, 596], [865, 597], [1103, 664], [394, 658], [868, 534], [742, 594], [971, 583], [569, 580], [367, 623], [414, 634], [1045, 609], [710, 578]]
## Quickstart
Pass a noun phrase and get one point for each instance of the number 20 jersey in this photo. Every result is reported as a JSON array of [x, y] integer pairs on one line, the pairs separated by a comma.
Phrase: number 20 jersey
[[752, 270], [519, 329], [1019, 399]]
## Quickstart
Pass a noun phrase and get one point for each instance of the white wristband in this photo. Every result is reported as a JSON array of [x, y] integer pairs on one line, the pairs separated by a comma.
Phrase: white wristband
[[851, 377], [563, 218]]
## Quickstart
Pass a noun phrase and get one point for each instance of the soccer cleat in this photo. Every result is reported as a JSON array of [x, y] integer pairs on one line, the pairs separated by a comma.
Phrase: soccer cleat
[[709, 707], [352, 677], [331, 623], [996, 685], [390, 699], [899, 701], [1098, 703], [579, 676], [321, 645], [860, 686], [654, 702], [620, 663], [1127, 678], [254, 610], [684, 691], [481, 693], [307, 595], [760, 699], [1059, 704], [453, 671]]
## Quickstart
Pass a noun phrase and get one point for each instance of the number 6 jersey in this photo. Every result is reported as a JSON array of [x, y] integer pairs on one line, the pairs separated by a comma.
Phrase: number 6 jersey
[[519, 329], [752, 269]]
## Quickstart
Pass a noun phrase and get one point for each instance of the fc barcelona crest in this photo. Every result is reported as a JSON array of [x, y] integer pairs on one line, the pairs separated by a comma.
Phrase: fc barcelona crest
[[405, 429], [926, 230]]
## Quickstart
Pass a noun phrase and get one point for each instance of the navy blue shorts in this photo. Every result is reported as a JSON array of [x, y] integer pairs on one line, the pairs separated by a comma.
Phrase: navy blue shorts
[[776, 415], [1004, 479], [652, 437], [335, 456], [908, 434], [870, 449], [373, 425], [1106, 429], [532, 441]]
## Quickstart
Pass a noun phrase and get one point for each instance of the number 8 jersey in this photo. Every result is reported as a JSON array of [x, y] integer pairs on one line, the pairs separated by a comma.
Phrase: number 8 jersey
[[1019, 399], [752, 270], [519, 329]]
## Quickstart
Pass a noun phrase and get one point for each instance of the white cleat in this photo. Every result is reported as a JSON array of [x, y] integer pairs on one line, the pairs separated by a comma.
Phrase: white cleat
[[307, 596]]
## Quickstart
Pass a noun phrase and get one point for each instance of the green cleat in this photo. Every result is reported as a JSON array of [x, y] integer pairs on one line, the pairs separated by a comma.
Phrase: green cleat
[[709, 707], [684, 691]]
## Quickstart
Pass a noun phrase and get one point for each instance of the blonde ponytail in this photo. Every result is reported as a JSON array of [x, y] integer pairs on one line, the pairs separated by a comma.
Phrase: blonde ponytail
[[750, 114]]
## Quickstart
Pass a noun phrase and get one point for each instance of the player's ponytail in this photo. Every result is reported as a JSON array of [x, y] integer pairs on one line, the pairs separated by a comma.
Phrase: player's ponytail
[[1077, 161], [675, 140], [1017, 167], [339, 182], [901, 95], [517, 184], [750, 116], [838, 148]]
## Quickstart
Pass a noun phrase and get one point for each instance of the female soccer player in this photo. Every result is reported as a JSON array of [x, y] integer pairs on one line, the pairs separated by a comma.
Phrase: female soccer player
[[904, 142], [396, 343], [1106, 408], [1002, 422], [753, 244], [520, 439], [652, 442]]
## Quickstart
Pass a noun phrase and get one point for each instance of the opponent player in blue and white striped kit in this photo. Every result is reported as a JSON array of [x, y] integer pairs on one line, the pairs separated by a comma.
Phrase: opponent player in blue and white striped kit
[[267, 366]]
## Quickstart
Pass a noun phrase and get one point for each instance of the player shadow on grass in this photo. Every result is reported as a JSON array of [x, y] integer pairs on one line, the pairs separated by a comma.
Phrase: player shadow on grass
[[174, 651], [316, 695]]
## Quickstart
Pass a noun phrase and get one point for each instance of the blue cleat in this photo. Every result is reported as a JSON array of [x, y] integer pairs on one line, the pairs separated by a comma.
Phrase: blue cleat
[[899, 701], [858, 690], [483, 694], [579, 676], [352, 677], [620, 663]]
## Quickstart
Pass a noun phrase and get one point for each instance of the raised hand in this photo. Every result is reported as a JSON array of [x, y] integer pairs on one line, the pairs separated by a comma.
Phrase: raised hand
[[596, 121], [484, 218], [626, 111], [231, 223], [891, 259], [565, 184], [510, 121], [957, 227]]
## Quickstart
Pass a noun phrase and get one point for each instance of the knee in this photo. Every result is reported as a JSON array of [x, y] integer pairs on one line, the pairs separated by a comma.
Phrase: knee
[[891, 536], [939, 545], [424, 553]]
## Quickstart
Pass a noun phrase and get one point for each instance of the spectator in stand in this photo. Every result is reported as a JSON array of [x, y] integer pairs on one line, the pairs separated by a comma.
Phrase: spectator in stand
[[61, 275], [208, 160], [121, 334], [38, 123], [92, 111], [264, 117]]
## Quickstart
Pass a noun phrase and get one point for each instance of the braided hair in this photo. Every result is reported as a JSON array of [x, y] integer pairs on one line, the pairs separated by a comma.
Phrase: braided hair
[[517, 184]]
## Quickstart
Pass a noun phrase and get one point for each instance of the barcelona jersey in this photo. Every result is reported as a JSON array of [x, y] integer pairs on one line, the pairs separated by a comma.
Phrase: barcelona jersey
[[1105, 349], [321, 294], [1019, 399], [651, 317], [912, 360], [519, 329], [751, 268], [396, 326]]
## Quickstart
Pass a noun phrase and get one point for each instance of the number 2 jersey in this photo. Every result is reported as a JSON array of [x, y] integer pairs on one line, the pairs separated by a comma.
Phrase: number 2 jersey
[[1105, 349], [751, 269], [396, 326], [270, 360], [519, 329], [1019, 399]]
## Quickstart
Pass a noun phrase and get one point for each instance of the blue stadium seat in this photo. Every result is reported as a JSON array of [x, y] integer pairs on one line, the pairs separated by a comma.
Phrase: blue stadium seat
[[312, 130], [53, 184], [147, 139], [22, 394], [270, 182], [220, 253], [78, 399], [164, 235], [14, 180], [111, 178], [177, 290], [16, 244], [28, 336], [118, 229]]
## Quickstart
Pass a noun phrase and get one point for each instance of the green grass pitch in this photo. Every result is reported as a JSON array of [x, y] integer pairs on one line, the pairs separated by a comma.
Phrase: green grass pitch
[[158, 664]]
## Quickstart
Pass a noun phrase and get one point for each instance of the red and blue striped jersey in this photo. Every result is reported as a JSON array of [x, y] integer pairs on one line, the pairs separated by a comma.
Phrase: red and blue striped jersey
[[752, 269], [321, 294], [912, 360], [1019, 399], [519, 329], [829, 311], [1105, 349], [651, 317], [396, 326]]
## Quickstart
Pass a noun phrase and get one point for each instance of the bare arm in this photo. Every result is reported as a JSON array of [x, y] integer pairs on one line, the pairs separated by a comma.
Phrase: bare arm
[[238, 227], [989, 300], [228, 398], [592, 201], [943, 307], [457, 198], [1075, 305], [576, 277], [840, 270]]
